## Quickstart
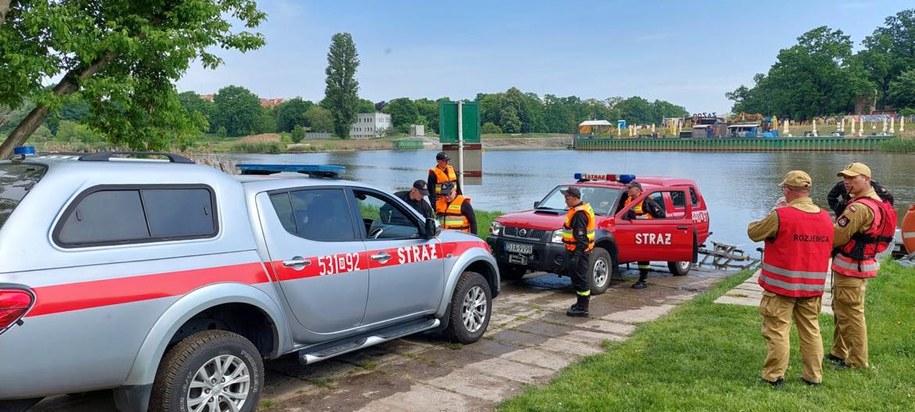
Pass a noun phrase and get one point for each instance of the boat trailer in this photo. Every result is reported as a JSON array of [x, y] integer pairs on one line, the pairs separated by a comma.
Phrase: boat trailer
[[723, 256]]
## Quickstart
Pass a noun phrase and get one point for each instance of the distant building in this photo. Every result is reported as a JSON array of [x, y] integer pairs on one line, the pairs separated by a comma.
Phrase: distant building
[[370, 125], [265, 103]]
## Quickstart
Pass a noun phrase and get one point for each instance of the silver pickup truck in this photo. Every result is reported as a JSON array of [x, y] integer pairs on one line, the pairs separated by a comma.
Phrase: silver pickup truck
[[171, 282]]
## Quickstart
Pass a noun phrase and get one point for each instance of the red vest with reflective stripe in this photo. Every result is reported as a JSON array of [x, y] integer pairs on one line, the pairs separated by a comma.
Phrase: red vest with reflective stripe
[[796, 262], [442, 177], [878, 236], [858, 256]]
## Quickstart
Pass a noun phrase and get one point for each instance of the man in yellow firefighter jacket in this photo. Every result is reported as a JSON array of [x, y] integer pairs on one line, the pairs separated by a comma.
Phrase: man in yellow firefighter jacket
[[798, 241], [455, 211], [439, 175], [578, 237], [864, 229]]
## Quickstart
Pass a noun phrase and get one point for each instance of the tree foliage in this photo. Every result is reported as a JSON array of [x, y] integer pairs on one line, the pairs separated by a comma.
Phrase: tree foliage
[[902, 90], [122, 56], [238, 111], [341, 91], [403, 113], [821, 76], [292, 113], [319, 119]]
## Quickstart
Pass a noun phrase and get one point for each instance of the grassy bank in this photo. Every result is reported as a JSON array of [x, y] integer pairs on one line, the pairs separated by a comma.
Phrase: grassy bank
[[706, 356], [484, 220]]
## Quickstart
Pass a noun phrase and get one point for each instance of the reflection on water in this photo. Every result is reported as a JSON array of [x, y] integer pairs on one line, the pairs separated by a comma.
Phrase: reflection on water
[[738, 187]]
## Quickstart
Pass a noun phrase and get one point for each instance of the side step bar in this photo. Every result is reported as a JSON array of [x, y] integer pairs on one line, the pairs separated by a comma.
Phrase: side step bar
[[328, 350]]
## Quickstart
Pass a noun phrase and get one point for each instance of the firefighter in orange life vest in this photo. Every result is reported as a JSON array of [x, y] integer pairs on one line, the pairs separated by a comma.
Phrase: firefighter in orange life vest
[[864, 229], [798, 242], [439, 175], [646, 209], [455, 211], [578, 237]]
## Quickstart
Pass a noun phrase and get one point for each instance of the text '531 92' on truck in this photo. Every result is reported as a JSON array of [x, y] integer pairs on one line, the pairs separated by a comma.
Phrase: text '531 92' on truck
[[532, 239], [170, 282]]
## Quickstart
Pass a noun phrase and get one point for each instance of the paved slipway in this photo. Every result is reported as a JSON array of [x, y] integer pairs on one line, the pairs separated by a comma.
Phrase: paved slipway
[[528, 341]]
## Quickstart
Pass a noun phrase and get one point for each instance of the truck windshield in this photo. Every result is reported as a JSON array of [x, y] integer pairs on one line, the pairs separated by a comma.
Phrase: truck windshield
[[602, 199], [16, 180]]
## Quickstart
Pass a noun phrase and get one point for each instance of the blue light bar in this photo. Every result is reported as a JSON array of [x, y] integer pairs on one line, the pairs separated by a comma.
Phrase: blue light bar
[[329, 171], [24, 150], [609, 177]]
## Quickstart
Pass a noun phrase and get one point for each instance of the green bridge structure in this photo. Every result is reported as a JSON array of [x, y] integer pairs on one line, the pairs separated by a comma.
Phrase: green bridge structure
[[779, 144]]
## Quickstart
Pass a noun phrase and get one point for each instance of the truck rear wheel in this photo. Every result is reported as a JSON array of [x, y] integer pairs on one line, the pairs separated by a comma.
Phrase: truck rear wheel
[[680, 268], [213, 370], [471, 308], [600, 265]]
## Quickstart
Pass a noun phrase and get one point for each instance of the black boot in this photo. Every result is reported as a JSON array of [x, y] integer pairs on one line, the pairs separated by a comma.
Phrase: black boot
[[640, 284], [580, 308]]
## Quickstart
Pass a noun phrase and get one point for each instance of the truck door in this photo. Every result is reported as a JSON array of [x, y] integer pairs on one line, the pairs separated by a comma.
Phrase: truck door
[[316, 256], [668, 238], [406, 271]]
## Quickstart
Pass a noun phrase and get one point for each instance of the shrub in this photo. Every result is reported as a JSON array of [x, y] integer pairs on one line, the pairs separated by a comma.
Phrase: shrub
[[491, 128], [298, 133]]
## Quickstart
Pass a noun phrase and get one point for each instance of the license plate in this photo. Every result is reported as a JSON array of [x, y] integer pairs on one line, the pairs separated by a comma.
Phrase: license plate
[[519, 248], [517, 259]]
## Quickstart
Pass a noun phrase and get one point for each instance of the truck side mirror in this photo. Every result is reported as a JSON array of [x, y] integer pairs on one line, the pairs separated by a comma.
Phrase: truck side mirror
[[432, 228]]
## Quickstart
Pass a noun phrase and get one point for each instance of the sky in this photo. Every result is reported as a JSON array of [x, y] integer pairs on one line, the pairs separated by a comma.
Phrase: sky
[[688, 53]]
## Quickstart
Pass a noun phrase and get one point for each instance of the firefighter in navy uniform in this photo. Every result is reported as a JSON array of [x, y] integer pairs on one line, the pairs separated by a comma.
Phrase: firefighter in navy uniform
[[864, 229], [646, 209], [454, 210], [798, 240], [439, 175], [578, 237]]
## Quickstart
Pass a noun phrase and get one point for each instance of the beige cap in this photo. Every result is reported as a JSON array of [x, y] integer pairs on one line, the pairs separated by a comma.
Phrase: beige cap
[[797, 178], [855, 169]]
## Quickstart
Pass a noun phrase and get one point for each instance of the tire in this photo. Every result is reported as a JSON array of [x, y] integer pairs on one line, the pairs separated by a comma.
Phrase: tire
[[679, 268], [511, 272], [470, 310], [600, 270], [179, 381]]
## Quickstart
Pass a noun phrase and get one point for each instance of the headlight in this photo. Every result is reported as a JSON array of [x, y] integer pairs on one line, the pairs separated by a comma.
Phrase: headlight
[[495, 228], [557, 236]]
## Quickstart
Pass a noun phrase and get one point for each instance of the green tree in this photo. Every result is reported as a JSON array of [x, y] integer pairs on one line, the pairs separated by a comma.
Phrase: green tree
[[319, 119], [889, 52], [365, 106], [511, 123], [403, 113], [902, 90], [428, 109], [238, 110], [817, 76], [291, 113], [341, 92], [202, 111], [123, 56]]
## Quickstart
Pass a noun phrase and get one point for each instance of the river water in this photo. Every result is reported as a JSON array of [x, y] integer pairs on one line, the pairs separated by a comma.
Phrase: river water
[[738, 187]]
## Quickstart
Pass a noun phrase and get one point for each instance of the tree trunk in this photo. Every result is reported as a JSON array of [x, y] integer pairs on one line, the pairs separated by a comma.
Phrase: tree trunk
[[68, 85], [4, 10]]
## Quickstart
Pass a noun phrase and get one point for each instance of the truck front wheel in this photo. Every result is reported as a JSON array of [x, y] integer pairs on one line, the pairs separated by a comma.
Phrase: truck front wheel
[[213, 370], [471, 308], [600, 265]]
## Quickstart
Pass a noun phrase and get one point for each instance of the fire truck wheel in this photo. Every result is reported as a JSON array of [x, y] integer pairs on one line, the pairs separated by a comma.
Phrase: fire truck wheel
[[214, 370], [680, 268], [601, 265]]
